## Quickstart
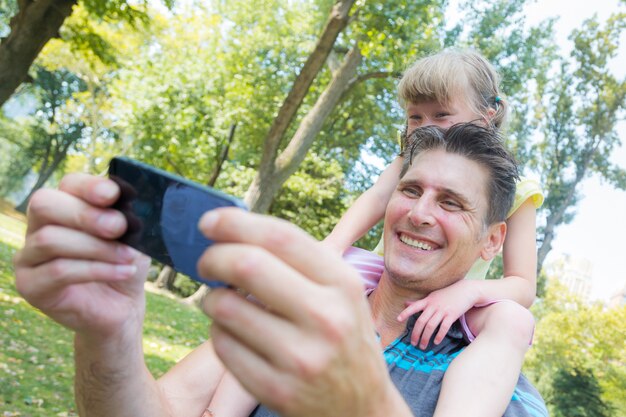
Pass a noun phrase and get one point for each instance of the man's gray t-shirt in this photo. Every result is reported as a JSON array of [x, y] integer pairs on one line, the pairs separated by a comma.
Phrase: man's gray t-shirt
[[418, 375]]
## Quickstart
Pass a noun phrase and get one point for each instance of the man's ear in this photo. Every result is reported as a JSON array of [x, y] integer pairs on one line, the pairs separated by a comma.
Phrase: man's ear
[[493, 241]]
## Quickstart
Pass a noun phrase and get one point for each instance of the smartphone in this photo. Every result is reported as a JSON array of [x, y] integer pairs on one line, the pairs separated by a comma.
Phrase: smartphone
[[162, 211]]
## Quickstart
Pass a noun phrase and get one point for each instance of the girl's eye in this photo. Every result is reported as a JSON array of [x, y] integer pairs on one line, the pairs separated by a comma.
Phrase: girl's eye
[[442, 115], [415, 117]]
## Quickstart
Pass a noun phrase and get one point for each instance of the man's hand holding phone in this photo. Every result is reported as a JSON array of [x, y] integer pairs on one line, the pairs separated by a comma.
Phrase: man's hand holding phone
[[77, 265], [72, 267], [162, 212]]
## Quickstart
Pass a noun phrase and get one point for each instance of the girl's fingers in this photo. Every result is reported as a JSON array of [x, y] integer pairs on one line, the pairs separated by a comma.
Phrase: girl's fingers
[[443, 329], [420, 323], [413, 308], [429, 329]]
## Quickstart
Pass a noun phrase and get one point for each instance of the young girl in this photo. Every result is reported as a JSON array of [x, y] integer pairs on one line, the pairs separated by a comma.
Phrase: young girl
[[444, 89]]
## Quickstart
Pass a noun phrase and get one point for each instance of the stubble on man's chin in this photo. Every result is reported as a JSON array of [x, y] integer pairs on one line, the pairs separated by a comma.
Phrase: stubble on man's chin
[[405, 282], [419, 285]]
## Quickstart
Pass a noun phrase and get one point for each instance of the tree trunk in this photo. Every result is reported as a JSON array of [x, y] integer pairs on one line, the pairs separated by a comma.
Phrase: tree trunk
[[197, 297], [338, 19], [267, 183], [556, 216], [44, 174], [32, 27], [222, 156], [166, 278]]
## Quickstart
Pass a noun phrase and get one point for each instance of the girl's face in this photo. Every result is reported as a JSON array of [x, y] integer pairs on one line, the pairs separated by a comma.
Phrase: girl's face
[[433, 113]]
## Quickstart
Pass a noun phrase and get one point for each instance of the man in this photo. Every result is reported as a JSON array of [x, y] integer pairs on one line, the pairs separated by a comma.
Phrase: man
[[311, 344]]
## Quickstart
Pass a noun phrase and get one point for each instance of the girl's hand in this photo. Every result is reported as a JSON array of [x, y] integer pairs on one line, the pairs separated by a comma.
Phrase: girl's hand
[[441, 309]]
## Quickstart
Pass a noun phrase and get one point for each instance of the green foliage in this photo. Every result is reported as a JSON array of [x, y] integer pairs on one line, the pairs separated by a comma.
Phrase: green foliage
[[83, 37], [8, 8], [572, 335], [185, 286], [43, 139], [496, 270], [576, 393], [313, 197]]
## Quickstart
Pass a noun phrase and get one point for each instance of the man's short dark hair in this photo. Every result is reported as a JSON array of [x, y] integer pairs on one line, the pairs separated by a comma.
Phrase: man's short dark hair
[[482, 145]]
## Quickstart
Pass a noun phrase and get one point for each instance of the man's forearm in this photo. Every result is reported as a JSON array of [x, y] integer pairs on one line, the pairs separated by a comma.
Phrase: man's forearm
[[112, 380]]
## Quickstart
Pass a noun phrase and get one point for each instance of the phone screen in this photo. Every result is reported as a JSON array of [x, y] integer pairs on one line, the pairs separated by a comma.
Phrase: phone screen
[[162, 211]]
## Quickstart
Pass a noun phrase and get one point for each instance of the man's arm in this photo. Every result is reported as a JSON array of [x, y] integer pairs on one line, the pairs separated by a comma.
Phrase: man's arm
[[318, 354]]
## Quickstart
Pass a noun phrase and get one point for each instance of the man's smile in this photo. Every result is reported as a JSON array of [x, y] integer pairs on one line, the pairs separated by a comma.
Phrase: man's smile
[[419, 244]]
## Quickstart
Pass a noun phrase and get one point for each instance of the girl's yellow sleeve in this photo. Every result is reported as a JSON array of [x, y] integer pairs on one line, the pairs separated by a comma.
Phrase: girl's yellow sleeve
[[526, 189]]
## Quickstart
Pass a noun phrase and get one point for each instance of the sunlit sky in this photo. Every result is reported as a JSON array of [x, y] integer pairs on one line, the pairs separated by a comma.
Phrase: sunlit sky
[[598, 230]]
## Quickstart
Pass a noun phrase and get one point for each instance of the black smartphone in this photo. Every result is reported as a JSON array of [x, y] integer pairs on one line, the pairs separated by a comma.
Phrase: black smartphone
[[162, 211]]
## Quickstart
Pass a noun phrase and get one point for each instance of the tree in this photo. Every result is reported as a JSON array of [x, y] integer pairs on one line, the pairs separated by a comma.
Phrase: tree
[[578, 117], [67, 101], [36, 22], [576, 393], [274, 170], [573, 336], [52, 133]]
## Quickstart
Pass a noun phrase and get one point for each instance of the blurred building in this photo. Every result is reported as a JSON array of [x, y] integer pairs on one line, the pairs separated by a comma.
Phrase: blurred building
[[619, 298], [573, 272]]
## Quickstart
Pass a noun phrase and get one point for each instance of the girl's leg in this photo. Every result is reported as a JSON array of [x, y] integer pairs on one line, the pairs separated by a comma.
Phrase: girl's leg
[[480, 381], [231, 399]]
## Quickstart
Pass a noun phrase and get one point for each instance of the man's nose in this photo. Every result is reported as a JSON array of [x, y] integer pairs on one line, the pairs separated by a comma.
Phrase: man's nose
[[422, 212]]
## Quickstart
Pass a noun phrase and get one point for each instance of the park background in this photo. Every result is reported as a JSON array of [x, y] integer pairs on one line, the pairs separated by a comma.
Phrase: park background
[[291, 105]]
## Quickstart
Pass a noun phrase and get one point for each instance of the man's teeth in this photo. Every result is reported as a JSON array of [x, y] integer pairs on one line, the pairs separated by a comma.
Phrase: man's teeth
[[415, 243]]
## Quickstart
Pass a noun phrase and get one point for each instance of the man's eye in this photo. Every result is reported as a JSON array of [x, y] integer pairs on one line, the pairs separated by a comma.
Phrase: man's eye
[[411, 192], [451, 205]]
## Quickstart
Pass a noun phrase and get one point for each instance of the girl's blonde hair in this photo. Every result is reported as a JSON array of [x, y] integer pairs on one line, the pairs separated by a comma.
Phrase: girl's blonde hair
[[452, 75]]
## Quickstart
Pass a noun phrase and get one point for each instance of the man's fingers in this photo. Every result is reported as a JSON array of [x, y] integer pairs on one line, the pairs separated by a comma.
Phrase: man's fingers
[[281, 238], [75, 214], [40, 282], [254, 373], [50, 242], [259, 273], [97, 191], [251, 324]]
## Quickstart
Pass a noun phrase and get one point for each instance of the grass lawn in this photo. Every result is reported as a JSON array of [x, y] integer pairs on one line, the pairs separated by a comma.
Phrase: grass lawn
[[36, 361]]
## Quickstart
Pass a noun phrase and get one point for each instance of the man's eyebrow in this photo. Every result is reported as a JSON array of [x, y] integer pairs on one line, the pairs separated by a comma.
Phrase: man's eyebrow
[[457, 195]]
